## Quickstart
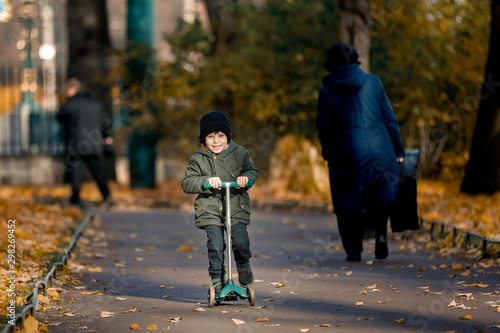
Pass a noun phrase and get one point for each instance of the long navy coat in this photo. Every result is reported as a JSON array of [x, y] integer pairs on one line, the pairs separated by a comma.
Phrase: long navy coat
[[360, 139]]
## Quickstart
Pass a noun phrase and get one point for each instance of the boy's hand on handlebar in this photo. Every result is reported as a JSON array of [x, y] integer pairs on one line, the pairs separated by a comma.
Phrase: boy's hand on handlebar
[[242, 181], [215, 182]]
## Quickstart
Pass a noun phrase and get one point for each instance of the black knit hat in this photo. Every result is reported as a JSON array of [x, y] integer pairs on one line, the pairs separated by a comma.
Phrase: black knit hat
[[214, 121], [340, 54]]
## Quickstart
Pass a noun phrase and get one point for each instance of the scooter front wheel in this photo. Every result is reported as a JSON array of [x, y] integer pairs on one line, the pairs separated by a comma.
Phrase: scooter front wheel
[[211, 296], [251, 295]]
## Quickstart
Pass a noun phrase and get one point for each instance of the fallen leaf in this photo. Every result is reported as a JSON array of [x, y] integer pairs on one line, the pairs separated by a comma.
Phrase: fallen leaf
[[149, 248], [465, 273], [468, 317], [138, 258], [359, 303], [366, 318], [457, 267], [238, 322], [369, 262], [374, 286], [383, 302], [175, 319], [43, 329], [91, 292], [348, 273], [133, 309], [304, 330], [480, 285], [120, 264], [134, 327], [31, 325], [362, 292], [95, 269], [286, 270], [443, 266], [334, 275], [268, 300], [400, 321], [152, 327], [121, 298], [184, 248], [198, 309], [322, 325], [262, 320], [423, 288], [106, 314], [43, 299]]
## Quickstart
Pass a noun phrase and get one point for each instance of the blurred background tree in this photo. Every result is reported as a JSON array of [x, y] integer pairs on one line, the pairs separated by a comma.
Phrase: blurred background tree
[[266, 67]]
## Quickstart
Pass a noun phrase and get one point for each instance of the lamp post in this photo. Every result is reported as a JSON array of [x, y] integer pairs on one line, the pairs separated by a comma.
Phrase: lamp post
[[29, 85]]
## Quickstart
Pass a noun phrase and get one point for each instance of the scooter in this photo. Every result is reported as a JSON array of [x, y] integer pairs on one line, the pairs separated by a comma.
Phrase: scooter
[[230, 292]]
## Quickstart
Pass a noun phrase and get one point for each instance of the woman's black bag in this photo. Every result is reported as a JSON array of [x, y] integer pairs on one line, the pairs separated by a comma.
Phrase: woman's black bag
[[403, 214]]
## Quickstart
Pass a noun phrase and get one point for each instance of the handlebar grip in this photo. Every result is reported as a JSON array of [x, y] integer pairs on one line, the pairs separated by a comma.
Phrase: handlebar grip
[[206, 184]]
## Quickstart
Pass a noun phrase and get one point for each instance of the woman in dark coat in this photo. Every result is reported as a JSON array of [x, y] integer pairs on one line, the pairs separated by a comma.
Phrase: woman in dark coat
[[360, 139]]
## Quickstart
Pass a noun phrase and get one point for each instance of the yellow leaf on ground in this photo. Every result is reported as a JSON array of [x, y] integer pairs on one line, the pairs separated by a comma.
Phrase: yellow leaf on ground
[[95, 269], [149, 248], [304, 330], [20, 300], [468, 317], [53, 293], [134, 327], [152, 327], [238, 322], [359, 303], [31, 325], [133, 309], [457, 267], [262, 320], [363, 292], [185, 248], [43, 329], [400, 321], [480, 285]]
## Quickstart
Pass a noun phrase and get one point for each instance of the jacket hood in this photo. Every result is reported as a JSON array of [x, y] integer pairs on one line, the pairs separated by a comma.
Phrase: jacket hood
[[346, 79], [206, 151]]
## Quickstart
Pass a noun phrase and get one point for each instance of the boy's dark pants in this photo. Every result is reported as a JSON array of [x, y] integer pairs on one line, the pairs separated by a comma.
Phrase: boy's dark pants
[[216, 247]]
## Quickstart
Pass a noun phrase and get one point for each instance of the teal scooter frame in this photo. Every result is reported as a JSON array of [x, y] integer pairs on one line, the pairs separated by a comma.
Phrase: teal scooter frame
[[230, 292]]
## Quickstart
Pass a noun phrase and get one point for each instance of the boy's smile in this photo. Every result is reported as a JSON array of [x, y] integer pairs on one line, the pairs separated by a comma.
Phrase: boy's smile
[[216, 142]]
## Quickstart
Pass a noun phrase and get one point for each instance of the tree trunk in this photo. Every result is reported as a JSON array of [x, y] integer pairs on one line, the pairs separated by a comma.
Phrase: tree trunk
[[89, 60], [88, 48], [221, 19], [482, 173], [355, 20]]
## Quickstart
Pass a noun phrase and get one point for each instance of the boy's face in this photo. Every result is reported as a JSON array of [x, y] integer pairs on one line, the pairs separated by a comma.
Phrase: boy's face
[[216, 142]]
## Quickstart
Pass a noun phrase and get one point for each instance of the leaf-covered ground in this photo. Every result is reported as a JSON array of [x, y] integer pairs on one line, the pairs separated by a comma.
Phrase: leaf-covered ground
[[44, 228], [42, 233]]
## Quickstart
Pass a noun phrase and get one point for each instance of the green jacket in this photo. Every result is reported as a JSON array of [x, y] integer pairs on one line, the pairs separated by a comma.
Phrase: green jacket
[[210, 204]]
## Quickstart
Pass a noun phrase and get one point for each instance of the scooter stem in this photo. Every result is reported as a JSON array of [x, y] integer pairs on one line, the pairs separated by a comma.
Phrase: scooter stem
[[228, 231]]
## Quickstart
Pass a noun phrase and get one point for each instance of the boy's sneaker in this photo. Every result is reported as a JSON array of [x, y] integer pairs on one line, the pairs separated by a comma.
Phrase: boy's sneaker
[[217, 283], [245, 275]]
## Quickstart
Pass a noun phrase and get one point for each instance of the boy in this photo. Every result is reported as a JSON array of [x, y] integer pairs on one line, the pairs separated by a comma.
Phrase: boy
[[218, 159]]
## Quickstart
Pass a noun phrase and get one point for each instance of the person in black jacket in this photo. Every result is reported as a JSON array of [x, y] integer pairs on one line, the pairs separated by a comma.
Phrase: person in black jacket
[[360, 139], [85, 130]]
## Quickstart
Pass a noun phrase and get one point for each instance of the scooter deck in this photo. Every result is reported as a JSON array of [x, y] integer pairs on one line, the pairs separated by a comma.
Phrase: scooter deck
[[231, 292]]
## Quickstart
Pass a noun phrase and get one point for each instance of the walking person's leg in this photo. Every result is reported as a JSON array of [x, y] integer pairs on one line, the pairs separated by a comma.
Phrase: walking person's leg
[[351, 232], [379, 217], [74, 164], [215, 251], [242, 254], [99, 176]]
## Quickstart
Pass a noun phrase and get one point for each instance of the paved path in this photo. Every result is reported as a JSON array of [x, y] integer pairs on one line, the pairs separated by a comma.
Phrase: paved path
[[165, 282]]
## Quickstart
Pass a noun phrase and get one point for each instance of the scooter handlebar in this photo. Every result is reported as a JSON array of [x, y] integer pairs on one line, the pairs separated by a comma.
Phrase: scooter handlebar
[[206, 184]]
